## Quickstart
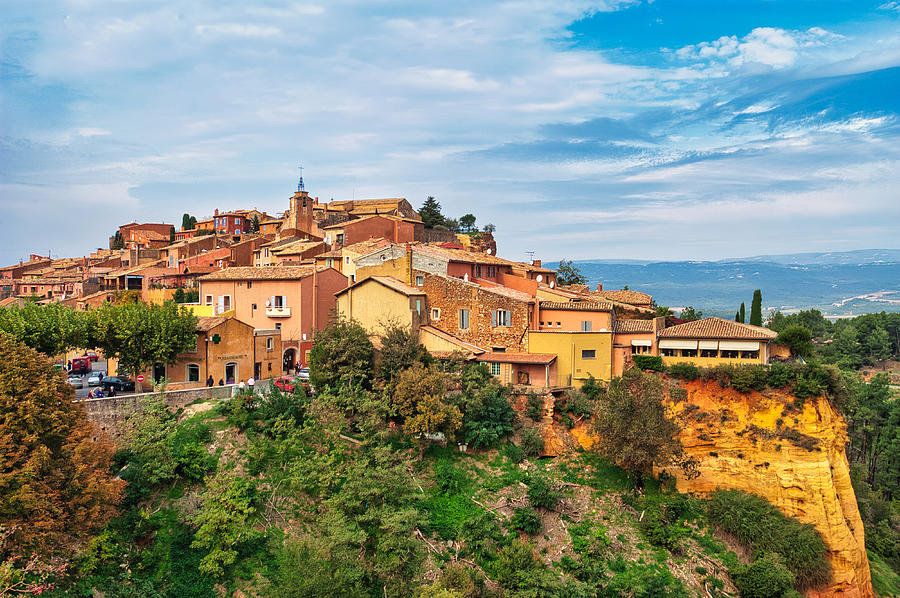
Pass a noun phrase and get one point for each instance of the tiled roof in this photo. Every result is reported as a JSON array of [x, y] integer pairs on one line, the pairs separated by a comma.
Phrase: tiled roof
[[152, 235], [717, 328], [390, 282], [538, 358], [206, 323], [577, 305], [353, 222], [461, 255], [626, 326], [367, 246], [452, 339], [262, 273], [506, 292], [624, 296], [296, 247]]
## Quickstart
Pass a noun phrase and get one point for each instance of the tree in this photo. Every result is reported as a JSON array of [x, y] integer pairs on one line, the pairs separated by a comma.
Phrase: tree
[[254, 224], [55, 481], [451, 224], [663, 311], [186, 222], [740, 316], [467, 222], [798, 339], [489, 228], [117, 241], [756, 308], [690, 314], [632, 425], [227, 505], [342, 357], [400, 349], [419, 399], [140, 335], [430, 212], [51, 329], [171, 234], [568, 273], [488, 416]]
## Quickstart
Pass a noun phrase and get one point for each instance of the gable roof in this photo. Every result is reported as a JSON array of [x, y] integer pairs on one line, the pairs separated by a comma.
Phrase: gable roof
[[578, 305], [207, 323], [624, 296], [718, 328], [390, 282]]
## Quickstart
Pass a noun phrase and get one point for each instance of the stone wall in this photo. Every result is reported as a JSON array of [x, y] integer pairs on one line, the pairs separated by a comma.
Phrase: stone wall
[[109, 414]]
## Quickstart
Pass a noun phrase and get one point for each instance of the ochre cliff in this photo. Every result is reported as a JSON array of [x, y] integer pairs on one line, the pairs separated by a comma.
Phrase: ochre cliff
[[791, 453]]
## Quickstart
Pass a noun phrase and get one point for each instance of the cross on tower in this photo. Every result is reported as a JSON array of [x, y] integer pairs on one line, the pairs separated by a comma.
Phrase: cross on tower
[[300, 186]]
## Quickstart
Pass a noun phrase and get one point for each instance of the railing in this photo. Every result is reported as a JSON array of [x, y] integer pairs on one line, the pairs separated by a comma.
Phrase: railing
[[278, 312]]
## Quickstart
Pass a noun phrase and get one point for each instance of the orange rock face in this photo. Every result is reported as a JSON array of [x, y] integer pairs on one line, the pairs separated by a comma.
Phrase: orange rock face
[[793, 455]]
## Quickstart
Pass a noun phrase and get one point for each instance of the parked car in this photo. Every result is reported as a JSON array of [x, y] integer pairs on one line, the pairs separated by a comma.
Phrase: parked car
[[76, 381], [303, 373], [288, 383], [119, 384], [95, 378], [92, 356]]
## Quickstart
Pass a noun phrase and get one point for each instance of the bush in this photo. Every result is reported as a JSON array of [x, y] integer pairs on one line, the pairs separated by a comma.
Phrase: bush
[[767, 577], [541, 493], [684, 371], [534, 407], [450, 479], [764, 529], [514, 453], [527, 520], [649, 362], [532, 442]]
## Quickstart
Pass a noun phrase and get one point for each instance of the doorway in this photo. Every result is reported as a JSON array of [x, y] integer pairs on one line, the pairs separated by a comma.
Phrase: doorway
[[159, 372], [289, 362], [231, 371], [257, 370]]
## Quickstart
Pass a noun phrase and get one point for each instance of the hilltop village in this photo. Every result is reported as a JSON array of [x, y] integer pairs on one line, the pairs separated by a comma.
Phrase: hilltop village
[[272, 282]]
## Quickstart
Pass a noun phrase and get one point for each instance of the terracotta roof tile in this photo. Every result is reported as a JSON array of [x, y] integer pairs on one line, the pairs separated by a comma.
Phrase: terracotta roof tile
[[632, 326], [388, 281], [718, 328], [538, 358], [577, 305], [263, 273], [624, 296], [206, 323]]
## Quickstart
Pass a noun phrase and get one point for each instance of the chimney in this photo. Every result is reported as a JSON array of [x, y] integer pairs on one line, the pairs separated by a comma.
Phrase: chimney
[[216, 212], [536, 263], [599, 286]]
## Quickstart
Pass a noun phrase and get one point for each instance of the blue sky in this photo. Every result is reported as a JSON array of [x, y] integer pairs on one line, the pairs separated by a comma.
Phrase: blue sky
[[652, 130]]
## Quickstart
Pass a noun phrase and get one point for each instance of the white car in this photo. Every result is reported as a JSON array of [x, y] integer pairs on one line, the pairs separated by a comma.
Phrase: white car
[[95, 378], [76, 381]]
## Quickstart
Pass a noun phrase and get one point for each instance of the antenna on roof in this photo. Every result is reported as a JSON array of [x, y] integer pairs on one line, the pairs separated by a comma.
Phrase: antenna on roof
[[300, 186], [530, 255]]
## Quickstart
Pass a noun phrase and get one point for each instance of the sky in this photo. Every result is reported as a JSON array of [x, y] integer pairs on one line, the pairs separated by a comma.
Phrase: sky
[[612, 130]]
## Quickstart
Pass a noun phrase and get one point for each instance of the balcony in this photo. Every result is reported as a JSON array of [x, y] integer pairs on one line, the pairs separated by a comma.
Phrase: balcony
[[278, 312]]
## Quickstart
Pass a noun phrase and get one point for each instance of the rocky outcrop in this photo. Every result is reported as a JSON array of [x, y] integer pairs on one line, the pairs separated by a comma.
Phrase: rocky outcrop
[[790, 452]]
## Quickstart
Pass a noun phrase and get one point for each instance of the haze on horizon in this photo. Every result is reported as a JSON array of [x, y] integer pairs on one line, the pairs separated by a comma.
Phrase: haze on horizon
[[634, 130]]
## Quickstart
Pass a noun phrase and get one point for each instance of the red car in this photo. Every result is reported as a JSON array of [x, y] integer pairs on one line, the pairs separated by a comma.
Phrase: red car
[[92, 356], [287, 383]]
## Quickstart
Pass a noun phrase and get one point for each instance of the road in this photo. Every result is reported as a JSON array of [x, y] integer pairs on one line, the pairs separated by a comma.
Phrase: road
[[98, 366]]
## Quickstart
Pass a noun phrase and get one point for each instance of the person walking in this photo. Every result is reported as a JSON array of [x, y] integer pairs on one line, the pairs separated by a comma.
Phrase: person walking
[[251, 382], [210, 382]]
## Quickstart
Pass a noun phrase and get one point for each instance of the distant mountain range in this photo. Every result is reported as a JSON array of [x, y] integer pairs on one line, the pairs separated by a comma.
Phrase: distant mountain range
[[837, 283]]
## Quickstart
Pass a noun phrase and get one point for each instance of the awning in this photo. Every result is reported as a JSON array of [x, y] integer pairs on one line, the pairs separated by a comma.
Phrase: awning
[[739, 345], [677, 344], [641, 343], [709, 345]]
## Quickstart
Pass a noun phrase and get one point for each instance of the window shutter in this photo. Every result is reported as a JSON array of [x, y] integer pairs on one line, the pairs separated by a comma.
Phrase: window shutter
[[272, 301], [494, 318], [284, 301]]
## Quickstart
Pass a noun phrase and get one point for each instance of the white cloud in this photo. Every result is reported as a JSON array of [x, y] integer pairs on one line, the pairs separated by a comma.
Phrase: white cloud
[[238, 30]]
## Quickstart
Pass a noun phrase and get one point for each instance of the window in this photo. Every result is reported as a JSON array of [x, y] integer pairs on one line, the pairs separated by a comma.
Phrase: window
[[419, 306], [586, 326], [267, 252], [689, 352], [464, 319], [252, 307], [636, 350], [249, 284], [478, 271], [435, 313], [347, 260], [270, 344], [501, 317], [495, 368], [277, 325], [668, 352], [208, 300], [730, 354], [749, 354], [353, 278], [589, 354], [420, 280], [193, 372], [340, 238], [709, 352]]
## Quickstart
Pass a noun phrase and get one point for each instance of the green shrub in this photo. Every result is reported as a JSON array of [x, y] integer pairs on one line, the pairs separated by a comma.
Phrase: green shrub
[[527, 520], [641, 580], [780, 375], [532, 442], [450, 479], [534, 407], [764, 529], [649, 362], [541, 493], [514, 453], [684, 371], [767, 577]]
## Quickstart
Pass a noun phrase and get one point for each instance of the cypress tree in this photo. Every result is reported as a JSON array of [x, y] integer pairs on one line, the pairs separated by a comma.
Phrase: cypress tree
[[742, 314], [756, 308], [737, 316]]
